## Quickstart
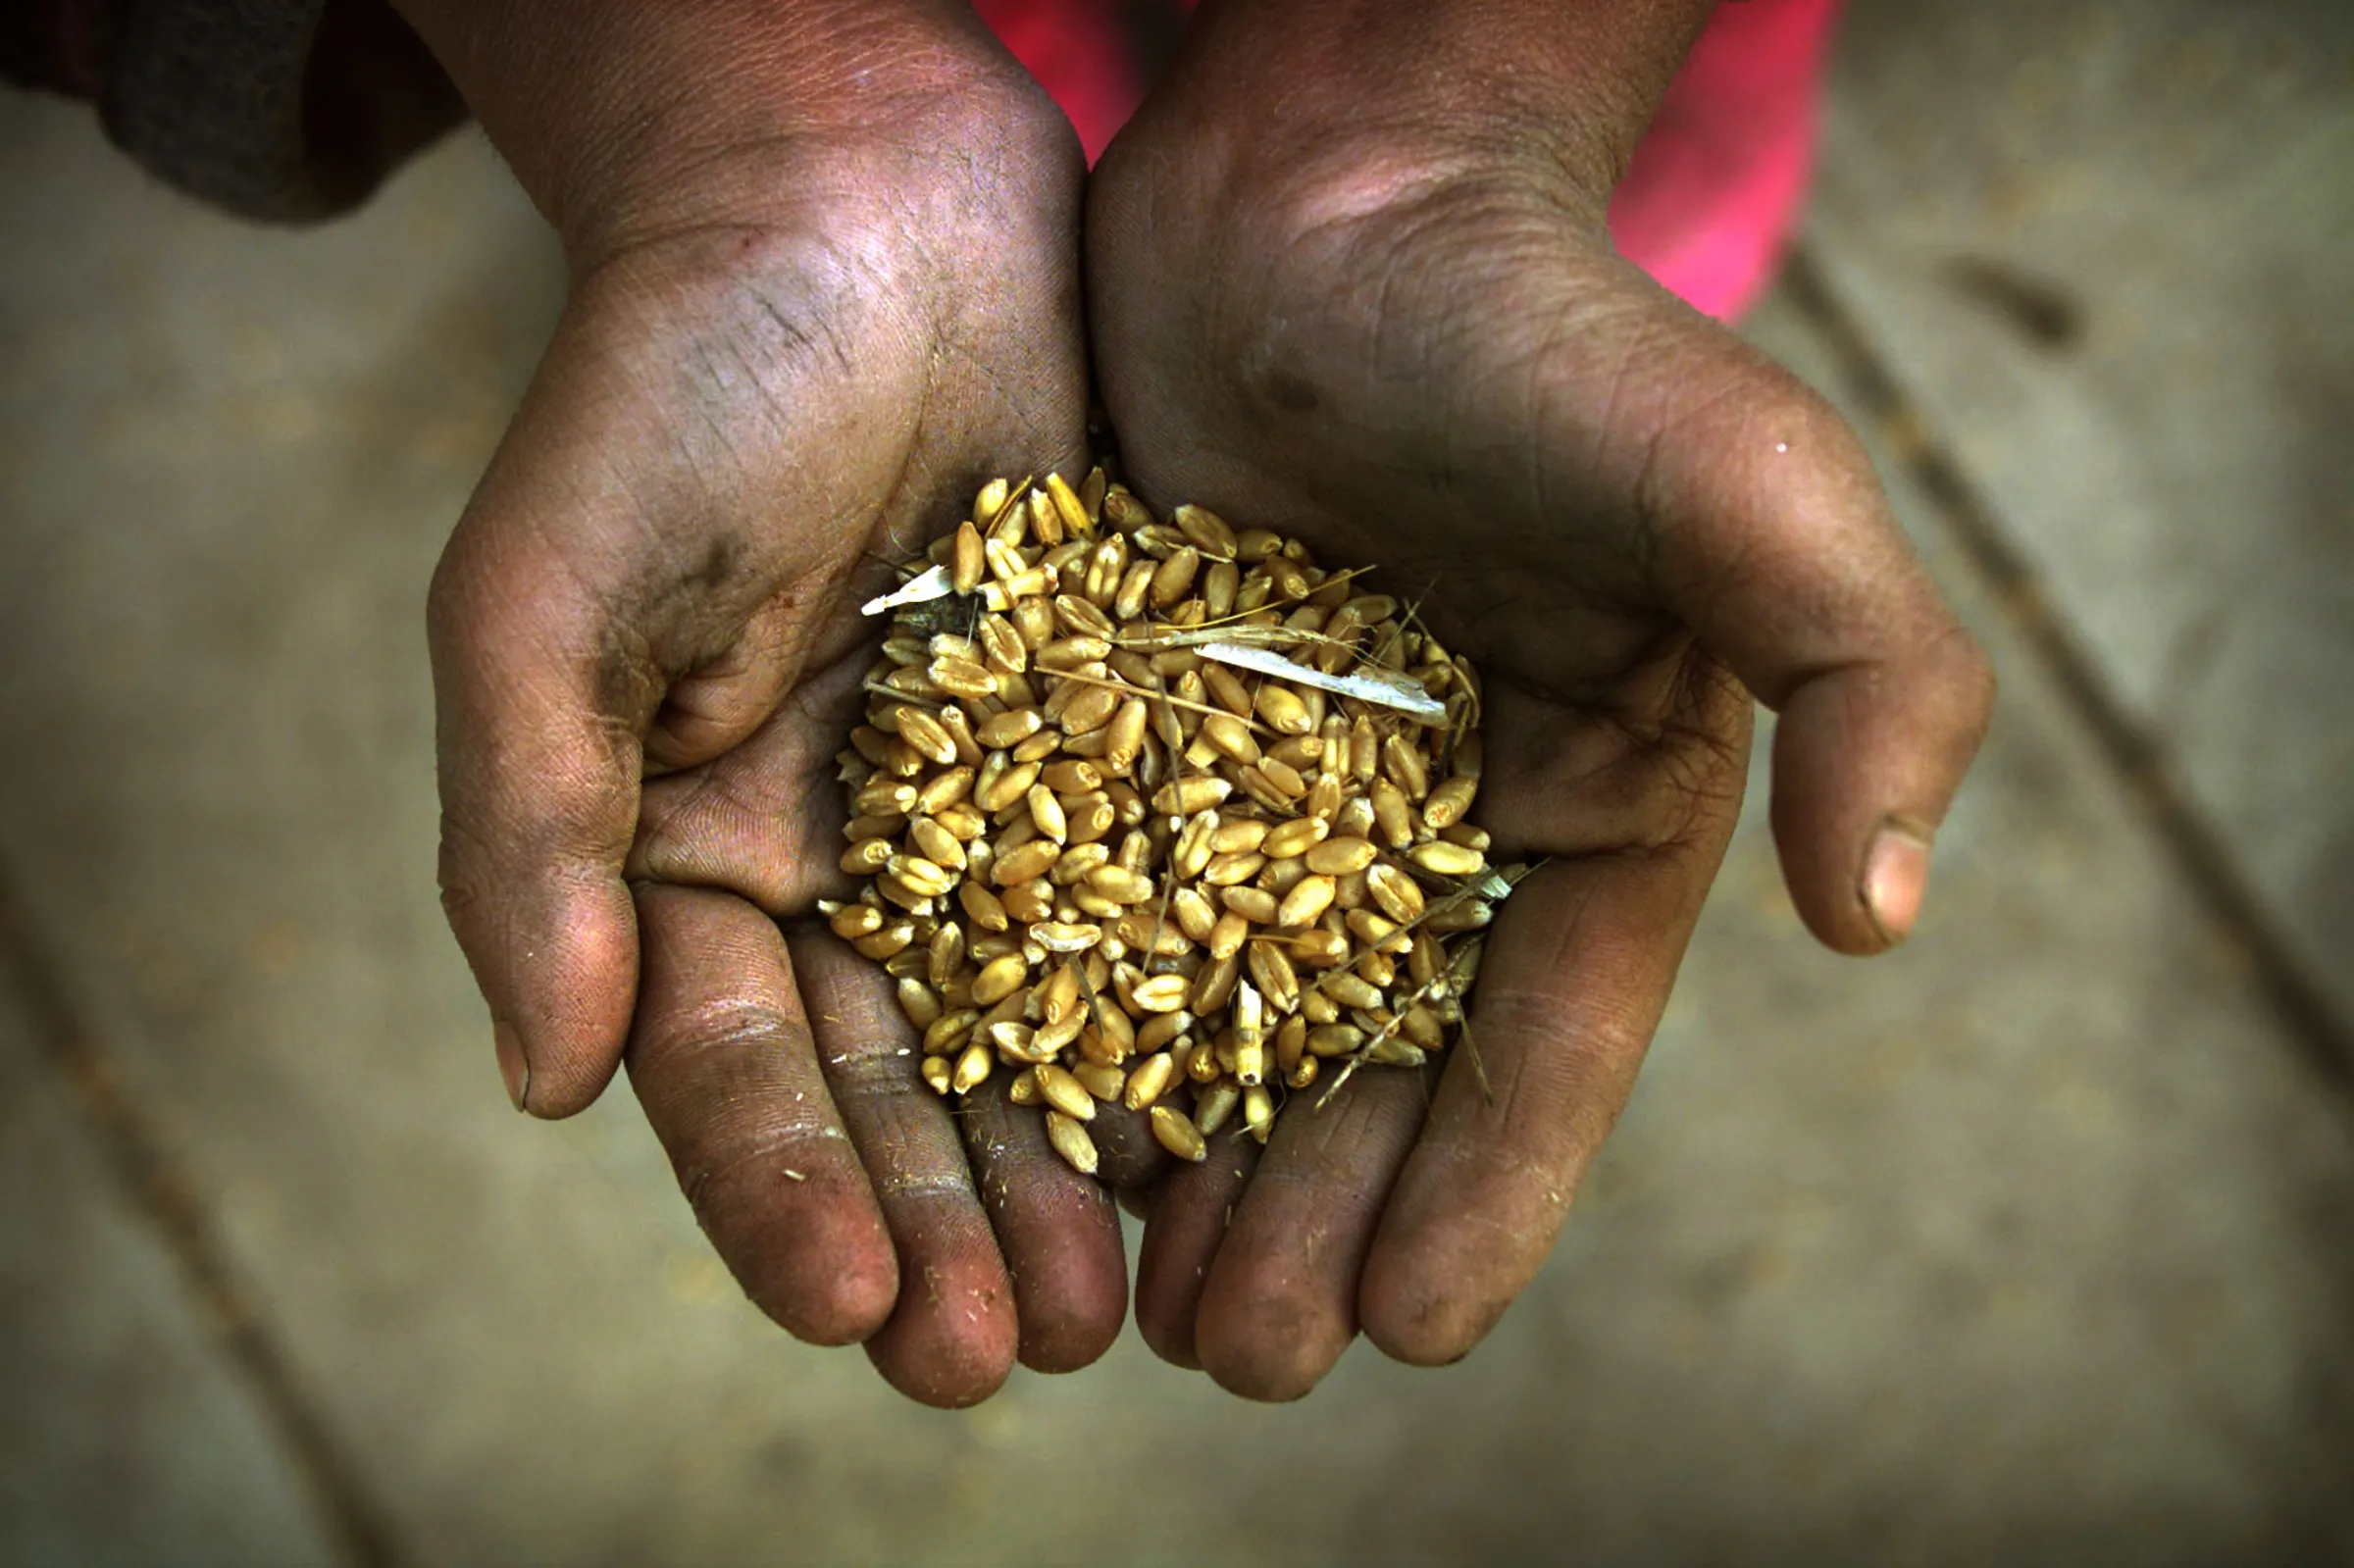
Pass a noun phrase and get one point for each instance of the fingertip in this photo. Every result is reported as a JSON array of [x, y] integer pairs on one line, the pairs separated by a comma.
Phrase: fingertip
[[1191, 1208], [952, 1339], [1866, 761], [562, 1005], [1273, 1347], [1085, 1306], [1410, 1315], [1167, 1334], [1058, 1231], [953, 1374], [830, 1279]]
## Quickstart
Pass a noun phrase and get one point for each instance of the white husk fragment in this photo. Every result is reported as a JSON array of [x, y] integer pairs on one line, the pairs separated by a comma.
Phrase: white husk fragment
[[934, 583], [1400, 692]]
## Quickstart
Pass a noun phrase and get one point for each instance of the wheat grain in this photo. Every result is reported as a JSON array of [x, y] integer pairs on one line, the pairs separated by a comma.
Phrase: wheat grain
[[1144, 809]]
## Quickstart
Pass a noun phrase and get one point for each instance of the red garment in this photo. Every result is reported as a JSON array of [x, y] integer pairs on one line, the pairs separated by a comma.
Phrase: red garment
[[1715, 190]]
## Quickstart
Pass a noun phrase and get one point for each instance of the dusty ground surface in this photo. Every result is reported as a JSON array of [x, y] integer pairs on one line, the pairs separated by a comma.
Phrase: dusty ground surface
[[2036, 1239]]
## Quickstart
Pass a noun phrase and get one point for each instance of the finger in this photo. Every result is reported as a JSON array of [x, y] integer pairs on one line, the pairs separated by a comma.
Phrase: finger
[[1576, 973], [1184, 1223], [1775, 543], [951, 1338], [766, 820], [722, 1060], [1280, 1304], [1059, 1232]]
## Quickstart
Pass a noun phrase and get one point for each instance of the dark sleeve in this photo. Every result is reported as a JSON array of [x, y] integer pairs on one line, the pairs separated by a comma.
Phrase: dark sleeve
[[283, 110]]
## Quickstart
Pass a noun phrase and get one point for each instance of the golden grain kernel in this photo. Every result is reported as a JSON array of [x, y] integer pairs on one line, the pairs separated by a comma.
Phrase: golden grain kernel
[[1026, 863], [1059, 1089], [1334, 1039], [1067, 505], [1457, 915], [867, 856], [1232, 869], [1162, 993], [973, 1066], [1031, 901], [1000, 978], [1090, 710], [1161, 1029], [1258, 1111], [1238, 835], [1070, 1140], [883, 797], [1309, 898], [1101, 1079], [1291, 1041], [1448, 860], [1179, 1136], [1173, 578], [1447, 803], [936, 843], [968, 560], [1128, 599], [1294, 838], [1047, 813], [853, 920], [1119, 884], [1285, 778], [1009, 729], [1149, 1081], [1192, 913], [1319, 949], [1231, 736], [1185, 796], [944, 956], [1224, 687], [919, 1001], [1215, 1104], [1339, 857], [1254, 904], [981, 907], [884, 943], [1420, 1027], [1075, 652], [1271, 969], [1202, 1067]]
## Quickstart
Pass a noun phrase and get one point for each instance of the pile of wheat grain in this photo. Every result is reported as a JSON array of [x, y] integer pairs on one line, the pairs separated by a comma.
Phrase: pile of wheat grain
[[1154, 805]]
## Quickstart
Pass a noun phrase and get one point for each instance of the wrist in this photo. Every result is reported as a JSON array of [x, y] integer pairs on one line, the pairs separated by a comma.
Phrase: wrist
[[1566, 87], [628, 123]]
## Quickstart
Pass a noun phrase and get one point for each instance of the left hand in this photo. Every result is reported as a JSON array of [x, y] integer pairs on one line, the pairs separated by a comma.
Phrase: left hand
[[1349, 277]]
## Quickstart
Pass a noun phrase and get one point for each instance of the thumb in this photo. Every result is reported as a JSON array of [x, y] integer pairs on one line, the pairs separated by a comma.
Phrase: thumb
[[1775, 543], [539, 776]]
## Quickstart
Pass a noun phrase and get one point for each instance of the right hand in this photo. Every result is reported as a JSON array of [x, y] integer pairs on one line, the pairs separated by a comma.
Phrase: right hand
[[793, 348]]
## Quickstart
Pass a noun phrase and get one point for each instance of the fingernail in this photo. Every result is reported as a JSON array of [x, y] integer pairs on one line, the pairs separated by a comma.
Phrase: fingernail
[[513, 1066], [1896, 872]]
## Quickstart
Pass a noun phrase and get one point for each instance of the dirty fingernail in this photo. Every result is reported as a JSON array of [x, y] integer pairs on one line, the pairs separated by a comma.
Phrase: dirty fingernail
[[513, 1066], [1896, 872]]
